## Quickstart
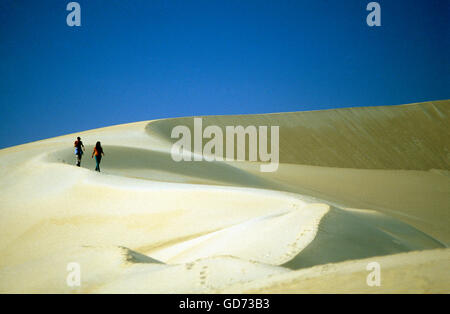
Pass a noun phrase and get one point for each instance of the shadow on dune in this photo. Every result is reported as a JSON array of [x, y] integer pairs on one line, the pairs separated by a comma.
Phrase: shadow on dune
[[159, 166], [138, 258], [350, 235]]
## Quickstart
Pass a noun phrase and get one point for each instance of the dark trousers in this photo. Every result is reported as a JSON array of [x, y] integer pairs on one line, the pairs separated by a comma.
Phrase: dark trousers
[[98, 159], [78, 159]]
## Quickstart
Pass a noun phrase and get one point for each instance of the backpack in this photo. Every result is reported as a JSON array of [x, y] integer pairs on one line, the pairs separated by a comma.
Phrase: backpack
[[78, 150]]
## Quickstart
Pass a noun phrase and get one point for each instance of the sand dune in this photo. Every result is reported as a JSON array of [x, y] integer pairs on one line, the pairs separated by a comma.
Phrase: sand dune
[[354, 185], [414, 272], [411, 137]]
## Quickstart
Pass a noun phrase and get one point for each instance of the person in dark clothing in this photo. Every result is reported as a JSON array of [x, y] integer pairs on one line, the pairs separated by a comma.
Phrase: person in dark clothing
[[98, 153], [79, 149]]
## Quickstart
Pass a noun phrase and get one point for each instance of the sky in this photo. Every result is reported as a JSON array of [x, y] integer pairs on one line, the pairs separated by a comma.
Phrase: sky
[[139, 60]]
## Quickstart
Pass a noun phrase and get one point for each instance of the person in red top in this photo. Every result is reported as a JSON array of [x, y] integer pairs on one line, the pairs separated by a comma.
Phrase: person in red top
[[98, 153]]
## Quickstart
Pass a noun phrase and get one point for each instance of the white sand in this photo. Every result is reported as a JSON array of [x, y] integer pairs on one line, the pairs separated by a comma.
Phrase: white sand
[[148, 224]]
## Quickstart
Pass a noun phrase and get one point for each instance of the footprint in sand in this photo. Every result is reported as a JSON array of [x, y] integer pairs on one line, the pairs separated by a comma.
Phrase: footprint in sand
[[293, 247], [189, 266], [203, 275]]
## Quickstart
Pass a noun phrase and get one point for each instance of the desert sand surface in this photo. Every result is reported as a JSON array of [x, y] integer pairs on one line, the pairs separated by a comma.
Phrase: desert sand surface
[[354, 186]]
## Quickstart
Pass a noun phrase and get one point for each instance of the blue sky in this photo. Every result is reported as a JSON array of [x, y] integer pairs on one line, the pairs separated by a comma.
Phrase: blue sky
[[147, 59]]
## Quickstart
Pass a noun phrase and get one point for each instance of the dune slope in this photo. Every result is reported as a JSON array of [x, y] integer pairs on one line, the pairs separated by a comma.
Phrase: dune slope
[[412, 137]]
